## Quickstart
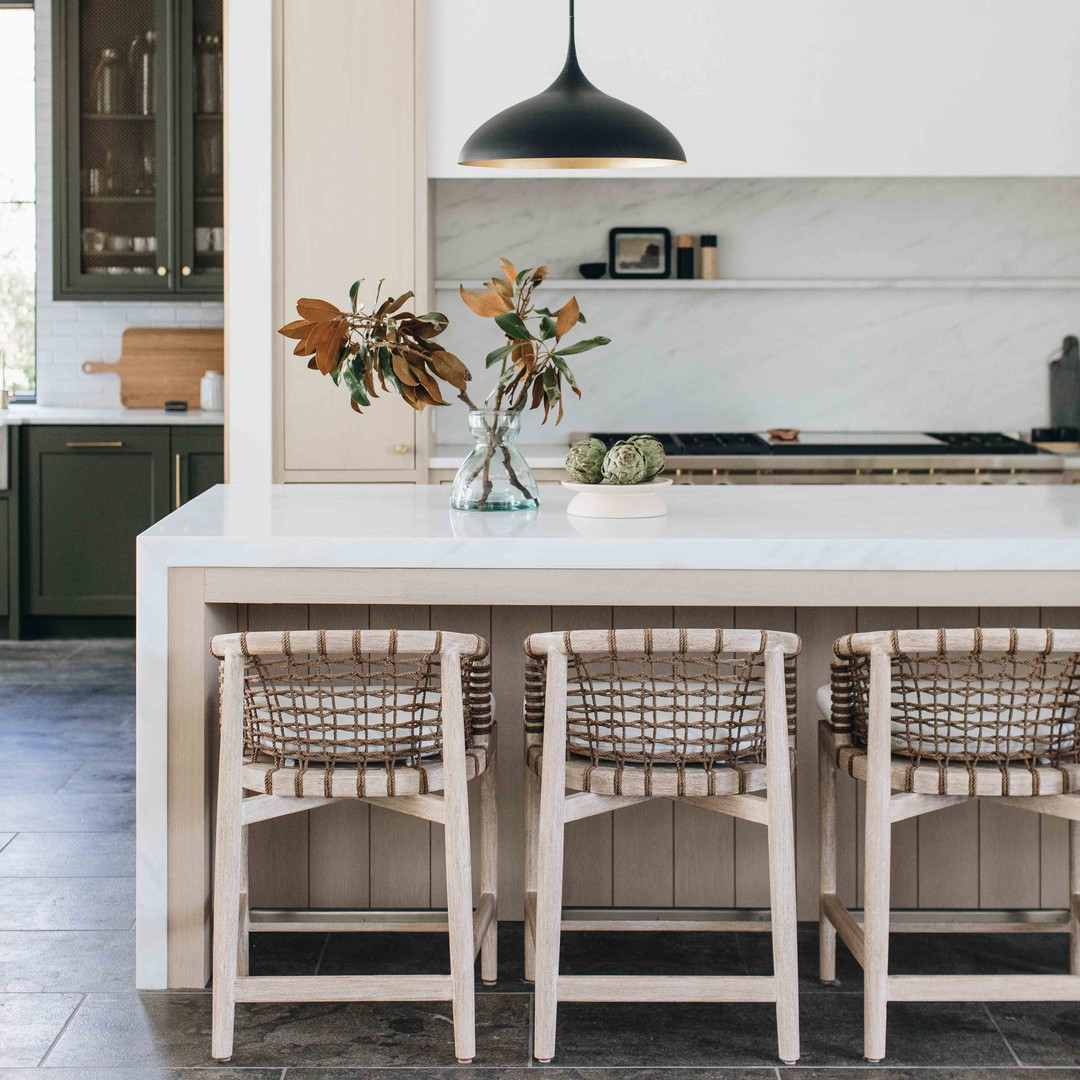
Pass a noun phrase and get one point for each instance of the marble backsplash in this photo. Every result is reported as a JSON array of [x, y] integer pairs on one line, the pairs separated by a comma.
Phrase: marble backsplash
[[826, 359]]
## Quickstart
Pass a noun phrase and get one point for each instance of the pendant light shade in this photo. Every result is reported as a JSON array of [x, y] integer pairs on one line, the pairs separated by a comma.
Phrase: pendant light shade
[[572, 125]]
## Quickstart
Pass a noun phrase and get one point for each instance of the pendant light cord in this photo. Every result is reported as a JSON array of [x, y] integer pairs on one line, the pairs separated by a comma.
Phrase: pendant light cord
[[571, 52]]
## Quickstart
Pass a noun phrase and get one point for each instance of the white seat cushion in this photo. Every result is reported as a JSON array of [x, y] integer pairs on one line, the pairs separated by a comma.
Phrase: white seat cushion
[[277, 717], [602, 717], [943, 703]]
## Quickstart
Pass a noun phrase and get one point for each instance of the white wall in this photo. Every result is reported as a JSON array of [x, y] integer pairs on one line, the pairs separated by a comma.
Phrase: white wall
[[71, 331], [885, 359], [786, 87]]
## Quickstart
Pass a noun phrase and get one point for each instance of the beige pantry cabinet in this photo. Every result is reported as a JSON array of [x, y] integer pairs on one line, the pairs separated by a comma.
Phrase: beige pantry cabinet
[[351, 201]]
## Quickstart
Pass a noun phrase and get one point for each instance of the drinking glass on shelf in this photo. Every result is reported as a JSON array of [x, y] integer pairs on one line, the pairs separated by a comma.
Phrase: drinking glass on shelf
[[111, 84], [208, 74], [142, 63]]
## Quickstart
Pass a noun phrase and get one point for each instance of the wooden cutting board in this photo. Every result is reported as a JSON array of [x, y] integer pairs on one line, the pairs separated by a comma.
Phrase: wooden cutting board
[[159, 365]]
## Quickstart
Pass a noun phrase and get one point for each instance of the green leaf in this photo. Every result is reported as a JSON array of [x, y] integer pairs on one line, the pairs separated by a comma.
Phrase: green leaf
[[386, 366], [353, 374], [497, 356], [547, 328], [583, 346], [551, 386], [354, 290], [512, 326], [561, 365], [522, 277]]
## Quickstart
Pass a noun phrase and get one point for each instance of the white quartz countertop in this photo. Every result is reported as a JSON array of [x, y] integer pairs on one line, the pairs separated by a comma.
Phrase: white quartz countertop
[[55, 414], [804, 527]]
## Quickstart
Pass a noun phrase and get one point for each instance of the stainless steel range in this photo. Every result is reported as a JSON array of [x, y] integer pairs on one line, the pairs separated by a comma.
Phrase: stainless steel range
[[838, 457]]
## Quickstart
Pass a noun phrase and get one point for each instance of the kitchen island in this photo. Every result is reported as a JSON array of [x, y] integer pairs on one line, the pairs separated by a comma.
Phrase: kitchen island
[[821, 561]]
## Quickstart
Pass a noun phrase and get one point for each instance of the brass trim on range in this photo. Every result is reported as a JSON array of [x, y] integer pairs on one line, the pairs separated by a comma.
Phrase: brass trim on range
[[88, 445], [177, 465]]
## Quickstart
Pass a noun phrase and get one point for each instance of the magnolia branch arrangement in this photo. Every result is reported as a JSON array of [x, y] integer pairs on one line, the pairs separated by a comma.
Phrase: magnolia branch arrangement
[[396, 350]]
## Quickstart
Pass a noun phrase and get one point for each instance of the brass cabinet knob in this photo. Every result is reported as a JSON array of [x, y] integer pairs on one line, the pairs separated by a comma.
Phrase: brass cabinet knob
[[162, 271], [401, 448], [186, 271]]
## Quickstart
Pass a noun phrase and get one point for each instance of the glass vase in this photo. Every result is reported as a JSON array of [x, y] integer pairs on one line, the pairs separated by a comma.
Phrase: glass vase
[[494, 476]]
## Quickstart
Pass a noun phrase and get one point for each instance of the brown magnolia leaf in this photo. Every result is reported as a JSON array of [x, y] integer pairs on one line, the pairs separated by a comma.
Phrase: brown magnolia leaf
[[503, 288], [313, 364], [396, 305], [429, 385], [524, 355], [508, 269], [316, 310], [354, 406], [539, 274], [450, 369], [298, 329], [301, 349], [488, 304], [402, 369], [537, 394], [568, 317], [321, 341]]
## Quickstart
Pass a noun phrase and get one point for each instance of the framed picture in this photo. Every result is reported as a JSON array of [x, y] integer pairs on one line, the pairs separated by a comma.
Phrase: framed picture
[[639, 253]]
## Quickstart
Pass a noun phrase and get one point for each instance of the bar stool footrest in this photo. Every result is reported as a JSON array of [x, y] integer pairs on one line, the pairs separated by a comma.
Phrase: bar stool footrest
[[666, 988], [344, 988]]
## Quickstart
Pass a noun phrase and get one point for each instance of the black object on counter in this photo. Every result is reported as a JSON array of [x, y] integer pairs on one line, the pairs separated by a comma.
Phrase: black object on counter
[[1055, 435], [684, 256], [1065, 386], [592, 270], [176, 406]]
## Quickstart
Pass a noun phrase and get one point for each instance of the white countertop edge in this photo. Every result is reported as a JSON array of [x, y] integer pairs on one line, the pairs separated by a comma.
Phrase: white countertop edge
[[18, 415]]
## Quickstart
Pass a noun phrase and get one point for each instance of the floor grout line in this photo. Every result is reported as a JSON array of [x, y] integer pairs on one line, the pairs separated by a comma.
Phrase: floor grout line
[[60, 1033], [1004, 1039]]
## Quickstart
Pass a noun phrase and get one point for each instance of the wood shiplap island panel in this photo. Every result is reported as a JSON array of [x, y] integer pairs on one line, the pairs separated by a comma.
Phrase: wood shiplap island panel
[[821, 561]]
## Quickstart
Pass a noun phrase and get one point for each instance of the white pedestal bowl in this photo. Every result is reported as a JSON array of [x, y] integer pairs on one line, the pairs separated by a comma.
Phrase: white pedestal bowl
[[617, 500]]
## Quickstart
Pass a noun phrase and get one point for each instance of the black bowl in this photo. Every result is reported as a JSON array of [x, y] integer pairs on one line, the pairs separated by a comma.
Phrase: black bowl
[[592, 270]]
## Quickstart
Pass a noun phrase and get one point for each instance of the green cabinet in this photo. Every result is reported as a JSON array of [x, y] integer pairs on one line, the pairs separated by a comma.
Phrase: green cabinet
[[87, 492], [138, 149], [198, 456]]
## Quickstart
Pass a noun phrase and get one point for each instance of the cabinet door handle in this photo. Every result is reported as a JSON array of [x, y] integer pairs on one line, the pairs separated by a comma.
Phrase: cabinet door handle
[[176, 478], [401, 448], [86, 445], [186, 271], [162, 271]]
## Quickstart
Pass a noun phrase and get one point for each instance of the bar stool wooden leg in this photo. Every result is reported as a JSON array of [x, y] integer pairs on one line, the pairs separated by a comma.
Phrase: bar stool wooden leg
[[243, 942], [1074, 897], [877, 862], [459, 903], [532, 825], [781, 828], [550, 860], [826, 864], [489, 873], [228, 849]]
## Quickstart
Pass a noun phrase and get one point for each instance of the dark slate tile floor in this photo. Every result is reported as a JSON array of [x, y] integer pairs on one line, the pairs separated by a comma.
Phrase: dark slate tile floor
[[68, 1009]]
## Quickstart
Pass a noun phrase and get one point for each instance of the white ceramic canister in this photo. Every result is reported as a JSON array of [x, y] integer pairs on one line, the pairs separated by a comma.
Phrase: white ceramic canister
[[212, 392]]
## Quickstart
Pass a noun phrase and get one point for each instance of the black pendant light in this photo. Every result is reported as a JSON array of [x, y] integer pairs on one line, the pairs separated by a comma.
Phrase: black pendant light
[[572, 125]]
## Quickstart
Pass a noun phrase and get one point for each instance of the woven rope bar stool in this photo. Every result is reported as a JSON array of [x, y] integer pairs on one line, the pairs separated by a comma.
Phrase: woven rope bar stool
[[384, 716], [928, 719], [623, 716]]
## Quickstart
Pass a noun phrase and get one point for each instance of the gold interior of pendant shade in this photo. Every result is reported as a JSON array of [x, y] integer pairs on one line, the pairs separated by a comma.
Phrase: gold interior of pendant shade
[[575, 163]]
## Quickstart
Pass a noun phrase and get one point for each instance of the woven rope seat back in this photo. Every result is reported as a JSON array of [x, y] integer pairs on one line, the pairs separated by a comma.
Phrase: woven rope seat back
[[674, 697], [1004, 696], [358, 699]]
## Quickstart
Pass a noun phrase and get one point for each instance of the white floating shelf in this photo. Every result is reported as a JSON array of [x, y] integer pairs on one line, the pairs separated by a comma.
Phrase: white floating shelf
[[794, 284]]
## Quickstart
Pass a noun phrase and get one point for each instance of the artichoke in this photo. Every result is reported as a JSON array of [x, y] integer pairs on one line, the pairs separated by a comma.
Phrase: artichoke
[[584, 461], [653, 452], [624, 463]]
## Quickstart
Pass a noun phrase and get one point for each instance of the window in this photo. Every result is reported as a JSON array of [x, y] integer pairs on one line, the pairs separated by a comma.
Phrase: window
[[17, 197]]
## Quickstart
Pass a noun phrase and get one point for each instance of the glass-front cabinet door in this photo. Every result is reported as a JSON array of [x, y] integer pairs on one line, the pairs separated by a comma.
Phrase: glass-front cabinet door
[[138, 148], [202, 142]]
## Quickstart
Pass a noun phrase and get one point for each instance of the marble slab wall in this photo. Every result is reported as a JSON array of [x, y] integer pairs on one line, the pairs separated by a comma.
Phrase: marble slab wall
[[831, 359]]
